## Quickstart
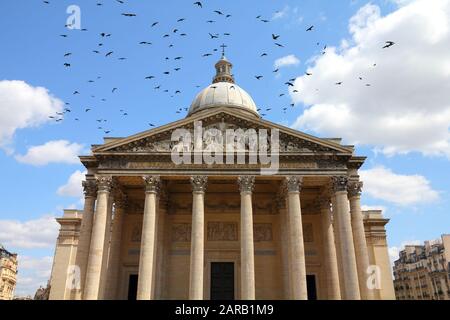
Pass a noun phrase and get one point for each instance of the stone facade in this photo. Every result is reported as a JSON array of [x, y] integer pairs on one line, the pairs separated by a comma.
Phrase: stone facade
[[422, 272], [152, 228], [8, 274]]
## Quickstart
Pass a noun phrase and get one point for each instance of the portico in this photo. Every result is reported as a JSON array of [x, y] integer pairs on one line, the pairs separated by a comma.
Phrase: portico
[[206, 231]]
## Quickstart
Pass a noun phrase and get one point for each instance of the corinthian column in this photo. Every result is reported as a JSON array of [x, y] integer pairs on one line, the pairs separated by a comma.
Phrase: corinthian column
[[359, 238], [297, 246], [349, 269], [246, 185], [84, 242], [284, 244], [96, 254], [331, 266], [146, 261], [116, 240], [197, 238]]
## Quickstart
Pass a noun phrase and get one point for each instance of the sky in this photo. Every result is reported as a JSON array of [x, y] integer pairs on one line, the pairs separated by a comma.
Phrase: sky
[[393, 103]]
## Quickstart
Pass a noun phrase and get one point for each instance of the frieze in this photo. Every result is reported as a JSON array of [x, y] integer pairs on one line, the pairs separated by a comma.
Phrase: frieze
[[300, 163], [181, 232], [262, 232], [222, 231]]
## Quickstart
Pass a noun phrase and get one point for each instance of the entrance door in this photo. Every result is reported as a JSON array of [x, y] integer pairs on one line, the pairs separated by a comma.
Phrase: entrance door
[[311, 287], [132, 287], [222, 281]]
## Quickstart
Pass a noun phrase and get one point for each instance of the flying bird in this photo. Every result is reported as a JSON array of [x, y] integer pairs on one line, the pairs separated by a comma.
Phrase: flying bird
[[388, 44]]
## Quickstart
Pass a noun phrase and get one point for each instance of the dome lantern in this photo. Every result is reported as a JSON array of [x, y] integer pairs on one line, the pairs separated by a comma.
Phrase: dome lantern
[[223, 92], [223, 69]]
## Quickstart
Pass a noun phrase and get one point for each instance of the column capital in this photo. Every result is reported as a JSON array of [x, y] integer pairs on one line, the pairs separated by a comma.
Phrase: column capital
[[246, 183], [199, 183], [104, 183], [294, 183], [152, 184], [354, 188], [90, 188], [339, 183]]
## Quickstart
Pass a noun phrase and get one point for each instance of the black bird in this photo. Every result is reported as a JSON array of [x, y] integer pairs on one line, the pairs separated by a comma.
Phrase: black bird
[[275, 37], [310, 28], [199, 4], [388, 44]]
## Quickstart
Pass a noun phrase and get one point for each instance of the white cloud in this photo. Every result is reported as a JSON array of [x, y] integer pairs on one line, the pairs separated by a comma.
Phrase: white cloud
[[23, 106], [281, 13], [73, 187], [290, 60], [407, 107], [402, 2], [33, 273], [59, 151], [31, 234], [404, 190]]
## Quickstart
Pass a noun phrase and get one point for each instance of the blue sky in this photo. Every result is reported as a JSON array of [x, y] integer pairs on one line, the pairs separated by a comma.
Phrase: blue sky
[[404, 131]]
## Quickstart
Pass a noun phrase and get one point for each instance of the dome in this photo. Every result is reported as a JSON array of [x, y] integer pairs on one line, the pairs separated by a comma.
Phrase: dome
[[223, 94]]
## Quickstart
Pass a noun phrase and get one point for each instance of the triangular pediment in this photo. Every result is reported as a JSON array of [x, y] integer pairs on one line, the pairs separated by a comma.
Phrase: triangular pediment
[[158, 140]]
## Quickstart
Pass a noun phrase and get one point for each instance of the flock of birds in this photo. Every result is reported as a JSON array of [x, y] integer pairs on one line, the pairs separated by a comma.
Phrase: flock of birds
[[102, 123]]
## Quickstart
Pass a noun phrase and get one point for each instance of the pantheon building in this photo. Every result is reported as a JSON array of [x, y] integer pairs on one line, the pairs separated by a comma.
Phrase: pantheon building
[[152, 228]]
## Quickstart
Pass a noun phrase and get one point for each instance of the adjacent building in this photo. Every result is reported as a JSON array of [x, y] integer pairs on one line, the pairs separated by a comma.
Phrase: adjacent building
[[8, 274], [155, 228], [422, 272]]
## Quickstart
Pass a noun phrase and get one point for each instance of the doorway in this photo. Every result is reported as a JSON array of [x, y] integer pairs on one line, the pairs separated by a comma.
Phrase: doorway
[[311, 287], [222, 281], [132, 287]]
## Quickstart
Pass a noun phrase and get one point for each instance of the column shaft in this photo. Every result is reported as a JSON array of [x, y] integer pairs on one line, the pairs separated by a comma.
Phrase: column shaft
[[337, 241], [94, 267], [331, 266], [359, 238], [114, 257], [84, 242], [297, 250], [246, 184], [146, 261], [197, 238], [349, 268], [106, 249], [284, 249]]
